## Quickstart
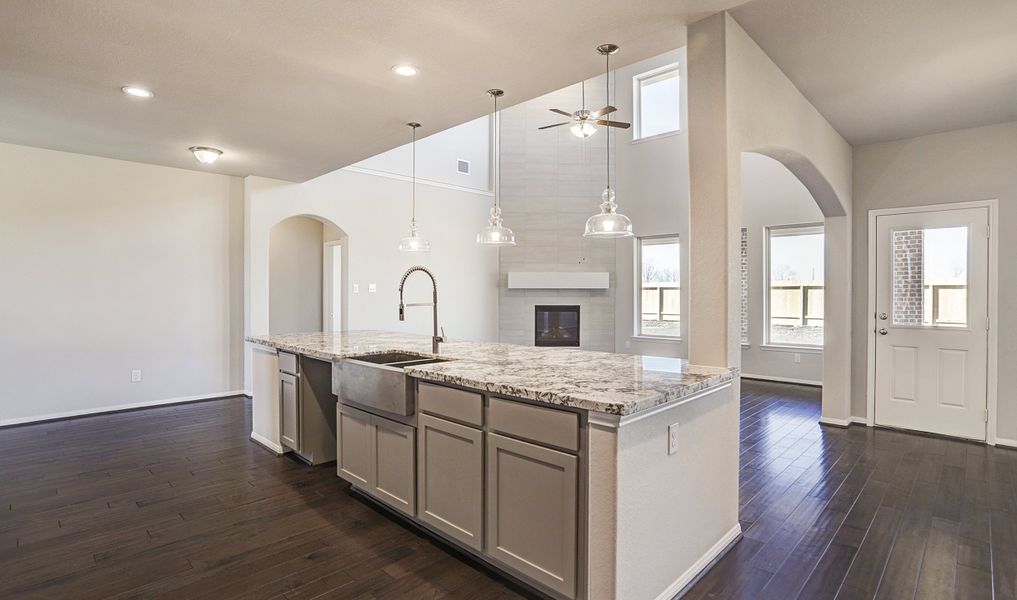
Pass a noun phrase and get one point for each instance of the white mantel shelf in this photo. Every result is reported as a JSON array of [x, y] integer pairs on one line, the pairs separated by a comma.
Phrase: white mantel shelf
[[559, 280]]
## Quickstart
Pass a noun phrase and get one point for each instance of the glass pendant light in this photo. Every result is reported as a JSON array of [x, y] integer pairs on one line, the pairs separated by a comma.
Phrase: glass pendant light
[[496, 234], [413, 242], [609, 223]]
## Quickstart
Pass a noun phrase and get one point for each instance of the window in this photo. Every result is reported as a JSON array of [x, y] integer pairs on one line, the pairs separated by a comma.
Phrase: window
[[794, 307], [660, 290], [930, 277], [655, 98]]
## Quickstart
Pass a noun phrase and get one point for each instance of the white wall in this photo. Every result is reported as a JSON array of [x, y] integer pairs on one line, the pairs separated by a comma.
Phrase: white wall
[[653, 191], [771, 196], [295, 275], [109, 266], [373, 211], [957, 166], [437, 156], [741, 101]]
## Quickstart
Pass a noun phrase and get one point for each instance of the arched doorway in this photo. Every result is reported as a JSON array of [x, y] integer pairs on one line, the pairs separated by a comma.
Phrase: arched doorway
[[306, 275]]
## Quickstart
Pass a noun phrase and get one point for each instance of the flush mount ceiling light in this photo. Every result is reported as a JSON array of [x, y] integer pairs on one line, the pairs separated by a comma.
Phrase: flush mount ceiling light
[[205, 155], [404, 70], [496, 234], [137, 92], [413, 242], [609, 223]]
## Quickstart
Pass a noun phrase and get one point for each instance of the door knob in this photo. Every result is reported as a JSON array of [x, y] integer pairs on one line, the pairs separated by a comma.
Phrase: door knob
[[883, 331], [882, 316]]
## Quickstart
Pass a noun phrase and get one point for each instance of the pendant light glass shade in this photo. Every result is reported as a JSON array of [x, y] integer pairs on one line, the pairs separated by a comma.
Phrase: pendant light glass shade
[[609, 223], [496, 234], [413, 242]]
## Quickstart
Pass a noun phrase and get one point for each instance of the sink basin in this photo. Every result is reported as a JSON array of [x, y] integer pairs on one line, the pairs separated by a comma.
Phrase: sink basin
[[388, 358], [379, 381]]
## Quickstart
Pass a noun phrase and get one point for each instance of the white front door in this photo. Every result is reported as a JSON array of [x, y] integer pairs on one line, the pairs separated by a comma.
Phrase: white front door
[[931, 321]]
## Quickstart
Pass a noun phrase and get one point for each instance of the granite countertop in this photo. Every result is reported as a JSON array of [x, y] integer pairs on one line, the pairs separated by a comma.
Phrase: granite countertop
[[616, 384]]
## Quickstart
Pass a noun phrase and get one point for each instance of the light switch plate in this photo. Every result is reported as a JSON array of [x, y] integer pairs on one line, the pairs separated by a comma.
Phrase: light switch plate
[[356, 288], [372, 287], [672, 438], [136, 376], [798, 358]]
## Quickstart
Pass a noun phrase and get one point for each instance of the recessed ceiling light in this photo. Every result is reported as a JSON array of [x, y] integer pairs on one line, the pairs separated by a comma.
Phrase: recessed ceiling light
[[137, 92], [205, 155], [405, 70]]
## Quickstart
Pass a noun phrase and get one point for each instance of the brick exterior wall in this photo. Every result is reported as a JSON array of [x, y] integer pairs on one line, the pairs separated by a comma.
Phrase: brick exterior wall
[[743, 257], [908, 276]]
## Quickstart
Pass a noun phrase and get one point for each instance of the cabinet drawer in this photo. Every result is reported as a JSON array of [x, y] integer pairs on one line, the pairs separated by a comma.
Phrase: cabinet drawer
[[287, 362], [451, 403], [558, 428]]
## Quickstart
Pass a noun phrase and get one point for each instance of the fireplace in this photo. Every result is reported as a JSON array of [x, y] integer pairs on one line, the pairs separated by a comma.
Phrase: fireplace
[[556, 325]]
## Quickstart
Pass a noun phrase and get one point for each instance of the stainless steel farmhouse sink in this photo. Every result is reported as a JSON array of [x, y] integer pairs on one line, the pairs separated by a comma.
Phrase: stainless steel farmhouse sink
[[379, 381]]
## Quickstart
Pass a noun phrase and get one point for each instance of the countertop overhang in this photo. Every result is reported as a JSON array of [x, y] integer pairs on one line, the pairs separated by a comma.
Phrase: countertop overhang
[[603, 382]]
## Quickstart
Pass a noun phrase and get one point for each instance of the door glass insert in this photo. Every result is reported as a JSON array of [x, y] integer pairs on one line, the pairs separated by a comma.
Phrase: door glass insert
[[930, 277]]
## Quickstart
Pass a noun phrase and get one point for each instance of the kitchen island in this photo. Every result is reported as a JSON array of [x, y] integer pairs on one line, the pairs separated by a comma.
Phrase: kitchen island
[[583, 474]]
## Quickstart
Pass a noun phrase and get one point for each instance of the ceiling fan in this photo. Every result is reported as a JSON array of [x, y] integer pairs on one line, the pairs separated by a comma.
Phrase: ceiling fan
[[584, 121]]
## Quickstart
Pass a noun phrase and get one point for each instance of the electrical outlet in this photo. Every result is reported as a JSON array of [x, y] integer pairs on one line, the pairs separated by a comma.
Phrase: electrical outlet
[[798, 358], [136, 376], [672, 438], [356, 288], [372, 287]]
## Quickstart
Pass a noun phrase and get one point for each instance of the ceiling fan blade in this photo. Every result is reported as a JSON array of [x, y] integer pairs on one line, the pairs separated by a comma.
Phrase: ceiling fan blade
[[560, 112], [604, 111], [618, 124], [555, 125]]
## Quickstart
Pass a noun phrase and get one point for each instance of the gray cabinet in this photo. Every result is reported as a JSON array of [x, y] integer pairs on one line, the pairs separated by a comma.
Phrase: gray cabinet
[[394, 452], [306, 408], [355, 443], [378, 456], [532, 512], [290, 400], [451, 479]]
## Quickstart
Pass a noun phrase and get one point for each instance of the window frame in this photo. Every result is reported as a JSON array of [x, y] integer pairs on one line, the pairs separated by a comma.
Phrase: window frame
[[637, 104], [803, 229], [638, 280]]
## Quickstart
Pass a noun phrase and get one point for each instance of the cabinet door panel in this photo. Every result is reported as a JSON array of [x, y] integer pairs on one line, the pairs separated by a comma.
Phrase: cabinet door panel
[[451, 470], [290, 417], [355, 439], [532, 512], [394, 453]]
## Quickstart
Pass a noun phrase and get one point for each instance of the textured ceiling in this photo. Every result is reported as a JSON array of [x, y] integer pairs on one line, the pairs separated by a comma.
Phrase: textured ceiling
[[881, 70], [296, 88]]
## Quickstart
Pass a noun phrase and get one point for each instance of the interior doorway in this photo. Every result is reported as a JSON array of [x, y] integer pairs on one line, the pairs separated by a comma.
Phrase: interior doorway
[[931, 294], [332, 287]]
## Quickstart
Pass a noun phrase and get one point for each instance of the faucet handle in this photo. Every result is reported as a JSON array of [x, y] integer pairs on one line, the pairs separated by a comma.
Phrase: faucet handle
[[442, 332]]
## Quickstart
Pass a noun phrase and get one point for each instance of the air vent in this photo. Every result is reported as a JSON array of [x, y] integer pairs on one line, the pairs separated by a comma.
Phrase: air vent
[[463, 166]]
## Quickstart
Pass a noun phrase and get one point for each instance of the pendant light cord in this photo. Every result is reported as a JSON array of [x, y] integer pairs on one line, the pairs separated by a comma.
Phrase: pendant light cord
[[607, 117], [497, 148], [413, 176]]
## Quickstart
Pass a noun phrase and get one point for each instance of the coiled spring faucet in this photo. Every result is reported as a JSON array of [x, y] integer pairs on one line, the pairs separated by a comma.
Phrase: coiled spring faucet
[[435, 339]]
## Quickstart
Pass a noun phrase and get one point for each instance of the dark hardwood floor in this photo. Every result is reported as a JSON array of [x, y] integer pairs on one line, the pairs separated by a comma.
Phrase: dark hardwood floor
[[176, 502]]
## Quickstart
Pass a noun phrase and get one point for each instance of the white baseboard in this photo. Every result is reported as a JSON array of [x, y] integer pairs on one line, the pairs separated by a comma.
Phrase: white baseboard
[[1006, 442], [843, 422], [264, 441], [783, 379], [702, 564], [118, 407]]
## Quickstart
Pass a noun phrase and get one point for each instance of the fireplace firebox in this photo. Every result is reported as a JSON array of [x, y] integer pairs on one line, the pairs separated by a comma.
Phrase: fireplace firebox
[[556, 325]]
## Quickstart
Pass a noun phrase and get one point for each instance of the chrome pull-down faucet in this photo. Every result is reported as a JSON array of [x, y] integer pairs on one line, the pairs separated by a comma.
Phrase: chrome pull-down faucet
[[435, 339]]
